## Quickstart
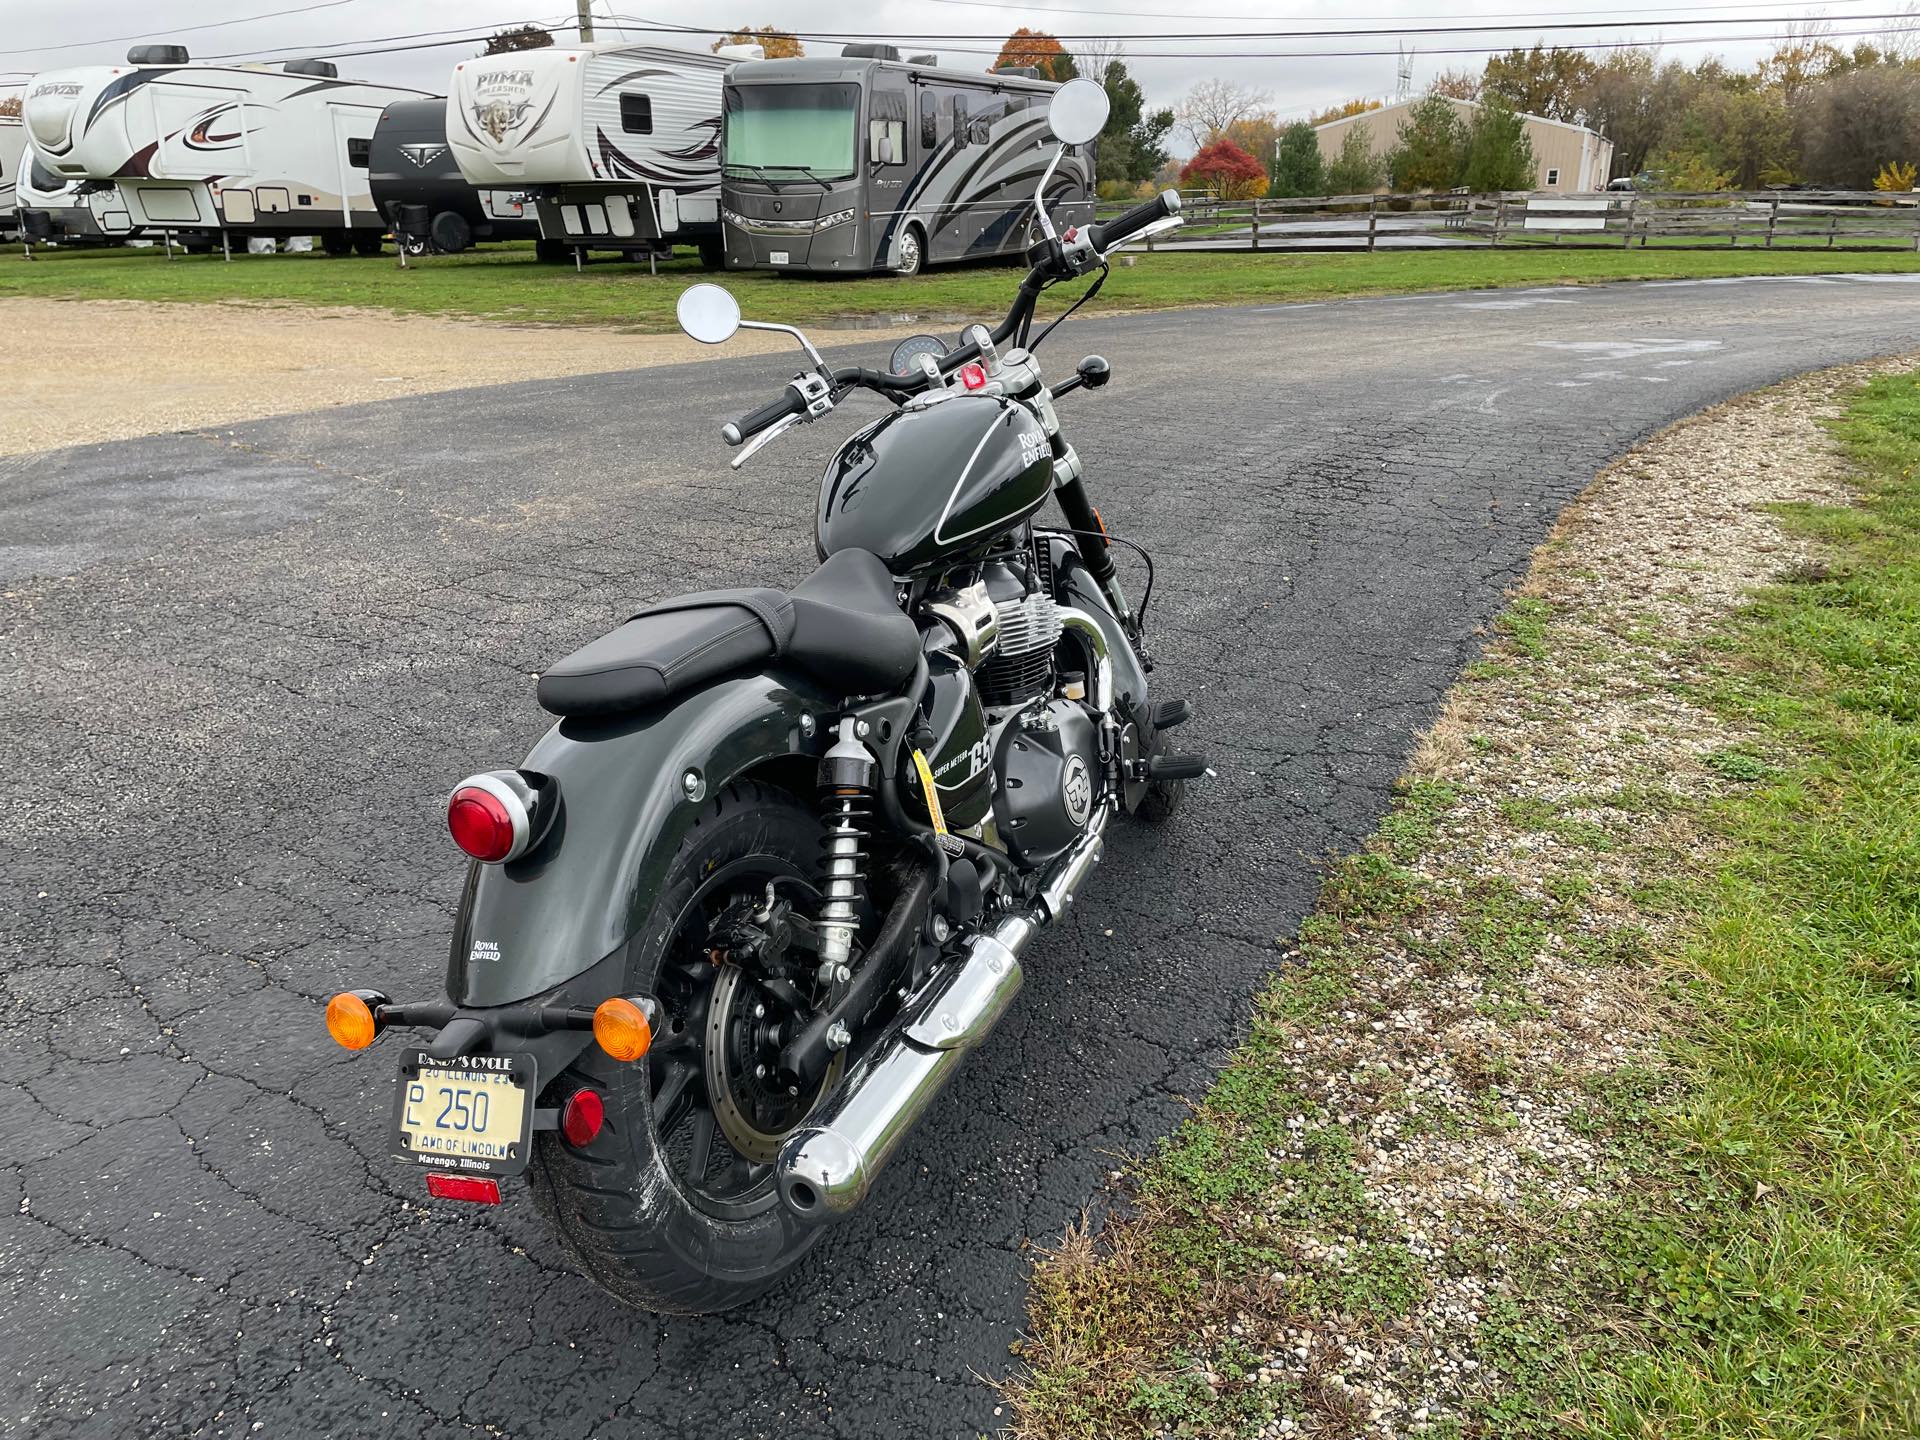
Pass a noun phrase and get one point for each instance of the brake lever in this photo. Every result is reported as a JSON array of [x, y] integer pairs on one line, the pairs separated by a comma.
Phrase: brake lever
[[764, 438]]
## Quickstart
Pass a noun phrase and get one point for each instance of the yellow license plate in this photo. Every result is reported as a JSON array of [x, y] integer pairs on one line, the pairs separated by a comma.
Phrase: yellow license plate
[[472, 1114]]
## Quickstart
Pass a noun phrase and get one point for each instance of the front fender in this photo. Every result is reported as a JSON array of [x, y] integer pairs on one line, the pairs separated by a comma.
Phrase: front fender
[[527, 926]]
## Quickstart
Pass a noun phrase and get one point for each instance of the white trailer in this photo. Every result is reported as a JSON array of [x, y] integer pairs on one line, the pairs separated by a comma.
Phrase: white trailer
[[77, 211], [233, 147], [13, 144], [618, 144]]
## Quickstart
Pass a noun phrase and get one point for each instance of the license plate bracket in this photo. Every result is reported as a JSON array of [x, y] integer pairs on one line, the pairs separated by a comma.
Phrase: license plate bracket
[[471, 1115]]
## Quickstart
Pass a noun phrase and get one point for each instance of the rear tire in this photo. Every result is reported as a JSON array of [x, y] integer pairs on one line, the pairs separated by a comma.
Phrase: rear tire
[[913, 253], [368, 243], [337, 243], [451, 233], [636, 1211]]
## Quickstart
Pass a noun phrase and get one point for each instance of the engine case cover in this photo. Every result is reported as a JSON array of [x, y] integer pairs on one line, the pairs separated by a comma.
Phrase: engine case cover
[[1048, 767], [960, 754]]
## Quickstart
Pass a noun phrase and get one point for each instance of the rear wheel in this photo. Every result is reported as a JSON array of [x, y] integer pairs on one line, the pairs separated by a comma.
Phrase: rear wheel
[[368, 242], [337, 243], [913, 253], [672, 1207], [451, 232]]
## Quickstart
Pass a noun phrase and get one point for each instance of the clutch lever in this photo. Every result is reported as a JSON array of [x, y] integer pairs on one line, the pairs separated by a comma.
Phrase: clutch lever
[[764, 438]]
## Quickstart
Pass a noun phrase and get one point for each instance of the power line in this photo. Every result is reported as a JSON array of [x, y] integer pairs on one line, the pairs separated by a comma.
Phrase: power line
[[1382, 32], [176, 29], [1105, 12], [461, 35]]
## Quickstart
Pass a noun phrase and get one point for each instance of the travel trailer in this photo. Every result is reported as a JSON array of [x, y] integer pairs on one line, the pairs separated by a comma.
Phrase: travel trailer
[[243, 148], [13, 144], [411, 164], [868, 162], [619, 144]]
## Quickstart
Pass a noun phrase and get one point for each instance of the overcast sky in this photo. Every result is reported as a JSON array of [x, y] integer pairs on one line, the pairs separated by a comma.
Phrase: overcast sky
[[93, 33]]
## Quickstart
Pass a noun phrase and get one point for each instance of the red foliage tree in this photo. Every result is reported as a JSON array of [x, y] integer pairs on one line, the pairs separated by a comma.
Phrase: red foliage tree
[[1227, 170]]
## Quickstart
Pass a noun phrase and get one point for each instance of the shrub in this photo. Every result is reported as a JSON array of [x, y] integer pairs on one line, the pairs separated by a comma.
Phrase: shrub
[[1227, 170]]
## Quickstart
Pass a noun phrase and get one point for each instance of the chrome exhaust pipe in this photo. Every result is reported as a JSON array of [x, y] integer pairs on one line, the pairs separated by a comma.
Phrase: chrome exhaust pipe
[[827, 1167]]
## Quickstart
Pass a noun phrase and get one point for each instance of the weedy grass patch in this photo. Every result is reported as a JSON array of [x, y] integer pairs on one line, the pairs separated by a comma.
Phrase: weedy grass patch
[[1585, 1105]]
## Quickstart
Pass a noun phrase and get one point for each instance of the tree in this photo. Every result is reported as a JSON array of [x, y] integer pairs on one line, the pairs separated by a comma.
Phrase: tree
[[776, 44], [1343, 110], [1213, 105], [10, 106], [520, 37], [1430, 148], [1455, 85], [1039, 50], [1258, 135], [1539, 81], [1747, 133], [1895, 175], [1853, 124], [1687, 172], [1356, 170], [1499, 154], [1130, 147], [1298, 168], [1227, 170]]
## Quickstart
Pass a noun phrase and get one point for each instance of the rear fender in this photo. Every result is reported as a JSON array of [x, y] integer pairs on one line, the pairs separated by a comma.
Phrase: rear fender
[[629, 789]]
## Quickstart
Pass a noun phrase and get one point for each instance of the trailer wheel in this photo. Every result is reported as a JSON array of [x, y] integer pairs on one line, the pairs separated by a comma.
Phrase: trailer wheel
[[451, 233], [552, 252], [337, 243], [913, 253], [368, 242]]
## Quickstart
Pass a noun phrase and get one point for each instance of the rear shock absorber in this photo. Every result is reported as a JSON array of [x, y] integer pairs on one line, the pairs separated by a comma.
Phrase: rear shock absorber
[[847, 777]]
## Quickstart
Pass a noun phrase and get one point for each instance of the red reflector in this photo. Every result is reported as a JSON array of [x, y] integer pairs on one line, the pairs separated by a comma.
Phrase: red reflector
[[583, 1116], [972, 376], [481, 824], [463, 1187]]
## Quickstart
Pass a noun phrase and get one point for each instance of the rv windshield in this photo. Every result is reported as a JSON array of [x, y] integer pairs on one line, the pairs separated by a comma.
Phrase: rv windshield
[[782, 130]]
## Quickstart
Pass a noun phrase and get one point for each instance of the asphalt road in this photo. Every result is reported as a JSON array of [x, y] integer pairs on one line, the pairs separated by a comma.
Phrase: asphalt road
[[238, 672]]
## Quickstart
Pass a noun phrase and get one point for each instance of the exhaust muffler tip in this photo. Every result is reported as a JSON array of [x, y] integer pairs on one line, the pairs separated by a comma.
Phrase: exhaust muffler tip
[[822, 1176]]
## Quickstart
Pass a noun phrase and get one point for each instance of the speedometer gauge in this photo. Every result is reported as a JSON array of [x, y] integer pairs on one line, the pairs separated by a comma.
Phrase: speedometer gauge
[[907, 353]]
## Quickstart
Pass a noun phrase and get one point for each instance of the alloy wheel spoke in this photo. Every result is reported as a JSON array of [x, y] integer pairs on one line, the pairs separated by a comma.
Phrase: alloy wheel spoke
[[700, 1146]]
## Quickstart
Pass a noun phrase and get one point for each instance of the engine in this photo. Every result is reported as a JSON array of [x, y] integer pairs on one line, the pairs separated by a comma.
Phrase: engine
[[1020, 669]]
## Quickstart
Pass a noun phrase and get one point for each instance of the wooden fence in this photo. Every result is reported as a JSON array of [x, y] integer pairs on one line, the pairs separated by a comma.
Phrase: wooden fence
[[1798, 220]]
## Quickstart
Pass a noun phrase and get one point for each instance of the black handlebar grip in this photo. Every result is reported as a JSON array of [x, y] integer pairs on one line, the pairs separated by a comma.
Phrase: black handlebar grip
[[1105, 237], [738, 432]]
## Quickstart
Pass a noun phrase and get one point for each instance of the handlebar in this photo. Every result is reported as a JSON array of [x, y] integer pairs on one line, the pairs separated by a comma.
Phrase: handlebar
[[772, 413], [1051, 262], [1160, 207]]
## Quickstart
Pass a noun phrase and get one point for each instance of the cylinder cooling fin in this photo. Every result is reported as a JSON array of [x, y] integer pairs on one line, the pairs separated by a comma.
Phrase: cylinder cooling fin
[[1021, 667]]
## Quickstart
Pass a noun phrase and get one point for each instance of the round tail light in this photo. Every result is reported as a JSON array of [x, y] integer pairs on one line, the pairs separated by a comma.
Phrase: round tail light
[[488, 820]]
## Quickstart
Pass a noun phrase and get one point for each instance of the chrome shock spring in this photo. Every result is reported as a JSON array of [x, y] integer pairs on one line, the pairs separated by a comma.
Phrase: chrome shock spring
[[847, 774]]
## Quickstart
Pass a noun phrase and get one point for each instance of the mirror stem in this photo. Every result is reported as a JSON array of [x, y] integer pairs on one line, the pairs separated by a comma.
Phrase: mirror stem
[[1040, 193], [805, 343]]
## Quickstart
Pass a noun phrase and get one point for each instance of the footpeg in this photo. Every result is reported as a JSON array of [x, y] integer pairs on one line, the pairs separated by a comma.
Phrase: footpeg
[[1169, 713], [1176, 767]]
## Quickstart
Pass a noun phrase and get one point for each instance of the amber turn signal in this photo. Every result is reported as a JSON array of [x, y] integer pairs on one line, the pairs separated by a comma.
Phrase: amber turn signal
[[350, 1021], [621, 1028]]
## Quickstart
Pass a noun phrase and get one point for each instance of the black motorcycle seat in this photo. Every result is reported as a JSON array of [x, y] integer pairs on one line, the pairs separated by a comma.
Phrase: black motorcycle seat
[[842, 625]]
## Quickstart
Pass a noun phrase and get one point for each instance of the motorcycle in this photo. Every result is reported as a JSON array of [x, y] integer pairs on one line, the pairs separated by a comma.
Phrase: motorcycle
[[733, 924]]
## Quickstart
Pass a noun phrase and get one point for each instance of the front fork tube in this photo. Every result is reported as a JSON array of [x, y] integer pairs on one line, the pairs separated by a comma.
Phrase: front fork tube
[[1071, 490]]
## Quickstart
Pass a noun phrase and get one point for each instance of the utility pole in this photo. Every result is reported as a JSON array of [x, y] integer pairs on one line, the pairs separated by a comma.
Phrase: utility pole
[[585, 10]]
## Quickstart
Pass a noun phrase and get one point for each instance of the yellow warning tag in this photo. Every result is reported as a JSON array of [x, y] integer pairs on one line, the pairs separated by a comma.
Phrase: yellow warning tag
[[928, 789]]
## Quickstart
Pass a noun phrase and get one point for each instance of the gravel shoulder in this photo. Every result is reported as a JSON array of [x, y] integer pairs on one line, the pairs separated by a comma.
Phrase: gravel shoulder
[[1387, 1196], [82, 371]]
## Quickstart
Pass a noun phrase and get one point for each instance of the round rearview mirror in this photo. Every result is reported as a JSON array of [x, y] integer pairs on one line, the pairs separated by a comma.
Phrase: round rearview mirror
[[1078, 112], [708, 313]]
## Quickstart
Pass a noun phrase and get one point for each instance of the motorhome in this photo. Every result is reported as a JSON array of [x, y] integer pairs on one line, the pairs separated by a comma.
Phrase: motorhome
[[619, 144], [869, 162], [412, 165], [245, 148], [13, 144]]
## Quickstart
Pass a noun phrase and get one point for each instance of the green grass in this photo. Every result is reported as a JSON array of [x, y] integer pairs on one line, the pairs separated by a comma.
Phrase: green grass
[[506, 283], [1754, 1270], [1780, 1283]]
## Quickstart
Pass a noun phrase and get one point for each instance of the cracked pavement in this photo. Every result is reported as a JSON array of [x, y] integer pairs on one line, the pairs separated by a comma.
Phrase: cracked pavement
[[239, 670]]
